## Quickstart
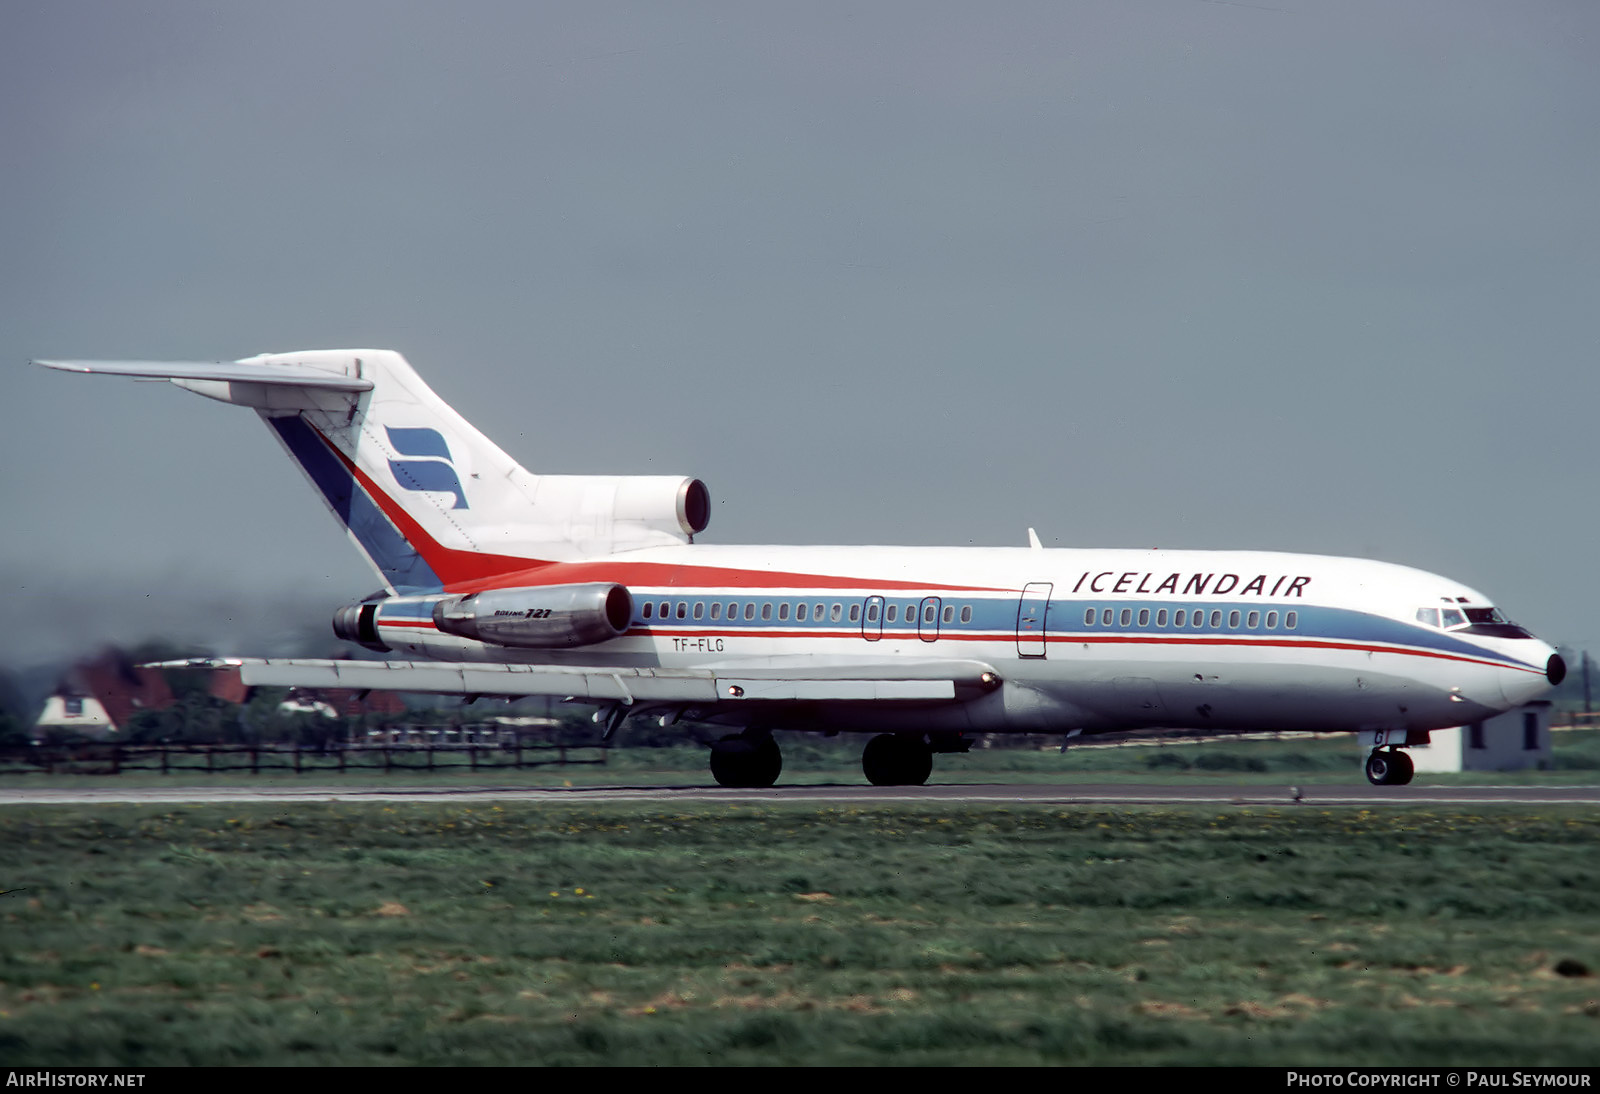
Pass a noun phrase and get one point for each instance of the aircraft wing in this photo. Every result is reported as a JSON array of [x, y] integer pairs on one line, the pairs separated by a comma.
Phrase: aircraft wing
[[225, 371], [946, 681]]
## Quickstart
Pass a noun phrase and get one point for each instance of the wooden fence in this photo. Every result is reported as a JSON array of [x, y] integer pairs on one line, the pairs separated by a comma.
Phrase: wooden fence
[[386, 756]]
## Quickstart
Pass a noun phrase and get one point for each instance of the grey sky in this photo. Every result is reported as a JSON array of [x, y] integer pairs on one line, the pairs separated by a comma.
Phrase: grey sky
[[1302, 276]]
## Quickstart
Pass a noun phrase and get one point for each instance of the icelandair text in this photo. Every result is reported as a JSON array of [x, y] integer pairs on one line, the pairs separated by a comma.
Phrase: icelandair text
[[1110, 581]]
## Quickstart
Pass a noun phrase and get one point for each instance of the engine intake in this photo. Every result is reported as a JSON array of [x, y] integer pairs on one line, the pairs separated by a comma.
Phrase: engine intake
[[543, 617]]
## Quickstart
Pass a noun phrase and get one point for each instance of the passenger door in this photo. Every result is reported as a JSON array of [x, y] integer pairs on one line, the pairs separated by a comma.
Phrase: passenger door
[[1032, 608]]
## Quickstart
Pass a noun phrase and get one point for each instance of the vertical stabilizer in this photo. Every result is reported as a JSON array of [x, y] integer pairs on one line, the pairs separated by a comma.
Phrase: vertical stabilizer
[[428, 499]]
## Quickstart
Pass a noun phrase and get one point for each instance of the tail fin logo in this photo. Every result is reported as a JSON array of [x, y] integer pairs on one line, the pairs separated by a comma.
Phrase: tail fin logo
[[434, 471]]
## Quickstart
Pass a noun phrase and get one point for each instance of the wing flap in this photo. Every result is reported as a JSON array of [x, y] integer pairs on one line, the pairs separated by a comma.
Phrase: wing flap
[[926, 681]]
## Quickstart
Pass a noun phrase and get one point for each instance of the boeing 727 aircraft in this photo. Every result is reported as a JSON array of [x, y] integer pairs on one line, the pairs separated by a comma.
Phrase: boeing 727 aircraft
[[501, 582]]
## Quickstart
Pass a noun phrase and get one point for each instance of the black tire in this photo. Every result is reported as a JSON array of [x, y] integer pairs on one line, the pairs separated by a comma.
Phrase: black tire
[[892, 760], [1380, 768], [1403, 768], [746, 763]]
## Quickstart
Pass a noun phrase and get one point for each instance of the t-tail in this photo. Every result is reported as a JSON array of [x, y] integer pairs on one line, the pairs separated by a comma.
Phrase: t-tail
[[428, 499]]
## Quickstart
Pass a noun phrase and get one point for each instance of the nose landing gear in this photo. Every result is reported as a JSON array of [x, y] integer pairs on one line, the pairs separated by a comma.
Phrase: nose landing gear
[[1389, 767]]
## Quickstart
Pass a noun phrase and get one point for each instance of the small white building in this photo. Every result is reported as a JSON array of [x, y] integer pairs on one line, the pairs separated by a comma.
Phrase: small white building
[[76, 715], [1513, 741]]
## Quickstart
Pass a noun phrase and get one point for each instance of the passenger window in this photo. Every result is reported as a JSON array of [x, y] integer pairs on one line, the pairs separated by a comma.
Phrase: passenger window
[[647, 607], [1161, 618], [783, 611], [1126, 617], [929, 613], [1199, 619], [855, 613], [1272, 621], [1179, 616], [834, 615], [683, 610], [1233, 621], [1216, 620], [665, 610], [733, 611], [872, 613], [1144, 617], [949, 614], [750, 610], [1291, 620], [1105, 618], [766, 612], [966, 613], [890, 613], [1088, 617], [699, 609], [1253, 620], [716, 609]]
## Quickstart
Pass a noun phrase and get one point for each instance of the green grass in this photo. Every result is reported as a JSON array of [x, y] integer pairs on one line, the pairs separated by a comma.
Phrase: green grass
[[792, 934]]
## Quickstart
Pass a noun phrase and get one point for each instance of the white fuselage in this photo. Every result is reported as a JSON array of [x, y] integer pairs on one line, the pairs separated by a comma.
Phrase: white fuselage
[[1084, 640]]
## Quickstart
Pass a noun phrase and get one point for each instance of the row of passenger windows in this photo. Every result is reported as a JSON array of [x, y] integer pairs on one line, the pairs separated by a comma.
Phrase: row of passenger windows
[[930, 612], [802, 611], [698, 610], [1194, 620]]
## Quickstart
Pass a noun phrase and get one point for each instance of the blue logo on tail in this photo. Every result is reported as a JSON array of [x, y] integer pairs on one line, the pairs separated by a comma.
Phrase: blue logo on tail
[[437, 472]]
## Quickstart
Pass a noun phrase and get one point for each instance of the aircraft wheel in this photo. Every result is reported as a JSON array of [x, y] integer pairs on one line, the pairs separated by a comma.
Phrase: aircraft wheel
[[1404, 768], [1389, 767], [746, 763], [894, 760]]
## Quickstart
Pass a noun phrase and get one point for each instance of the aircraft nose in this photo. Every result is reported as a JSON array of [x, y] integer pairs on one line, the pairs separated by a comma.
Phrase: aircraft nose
[[1521, 686], [1555, 669]]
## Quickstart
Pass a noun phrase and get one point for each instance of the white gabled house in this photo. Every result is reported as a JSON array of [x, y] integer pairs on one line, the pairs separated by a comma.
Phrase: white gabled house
[[1513, 741]]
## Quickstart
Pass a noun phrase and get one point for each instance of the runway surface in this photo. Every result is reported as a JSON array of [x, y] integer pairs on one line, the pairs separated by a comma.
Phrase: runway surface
[[1026, 794]]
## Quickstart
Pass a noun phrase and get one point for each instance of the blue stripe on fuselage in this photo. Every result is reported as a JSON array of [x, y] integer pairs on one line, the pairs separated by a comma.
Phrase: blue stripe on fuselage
[[399, 562], [994, 618]]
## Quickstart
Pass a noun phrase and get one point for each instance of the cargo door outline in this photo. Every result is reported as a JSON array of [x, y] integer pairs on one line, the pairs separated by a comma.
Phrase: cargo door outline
[[1032, 608]]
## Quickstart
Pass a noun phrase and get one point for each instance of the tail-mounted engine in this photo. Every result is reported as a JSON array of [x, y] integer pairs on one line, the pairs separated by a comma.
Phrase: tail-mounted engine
[[547, 617]]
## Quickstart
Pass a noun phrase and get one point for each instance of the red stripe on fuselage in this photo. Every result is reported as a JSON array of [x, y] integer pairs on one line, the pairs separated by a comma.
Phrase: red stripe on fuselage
[[946, 636], [660, 576]]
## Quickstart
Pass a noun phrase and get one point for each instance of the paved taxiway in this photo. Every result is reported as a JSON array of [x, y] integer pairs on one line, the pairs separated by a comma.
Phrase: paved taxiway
[[972, 793]]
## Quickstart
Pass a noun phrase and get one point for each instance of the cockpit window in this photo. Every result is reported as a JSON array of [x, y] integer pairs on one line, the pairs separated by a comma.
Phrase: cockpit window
[[1428, 617], [1481, 621]]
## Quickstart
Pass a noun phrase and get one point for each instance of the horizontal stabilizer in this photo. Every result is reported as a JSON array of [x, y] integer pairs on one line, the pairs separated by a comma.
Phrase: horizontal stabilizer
[[913, 680], [237, 372]]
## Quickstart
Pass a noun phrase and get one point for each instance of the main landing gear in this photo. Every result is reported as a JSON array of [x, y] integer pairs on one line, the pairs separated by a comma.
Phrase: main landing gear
[[897, 759], [752, 760], [1389, 767], [747, 761]]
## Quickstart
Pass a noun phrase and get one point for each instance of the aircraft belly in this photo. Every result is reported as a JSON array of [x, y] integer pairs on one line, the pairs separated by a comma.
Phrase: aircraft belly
[[1342, 692]]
